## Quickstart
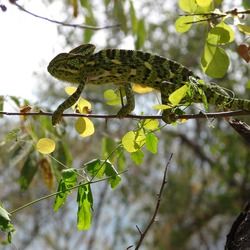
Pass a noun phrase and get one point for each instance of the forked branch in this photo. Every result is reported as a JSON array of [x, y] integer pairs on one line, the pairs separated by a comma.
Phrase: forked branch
[[159, 197]]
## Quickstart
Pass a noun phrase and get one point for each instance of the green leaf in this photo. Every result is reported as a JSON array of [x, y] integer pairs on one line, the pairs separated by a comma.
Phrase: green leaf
[[121, 160], [120, 15], [27, 173], [5, 224], [246, 4], [137, 157], [214, 61], [85, 205], [188, 5], [244, 28], [98, 168], [204, 3], [95, 168], [68, 181], [107, 2], [151, 143], [89, 20], [134, 140], [248, 84], [183, 23], [4, 217], [111, 172], [221, 34], [88, 33], [112, 97], [150, 124], [108, 145], [1, 104], [178, 95], [141, 34], [220, 1], [133, 18]]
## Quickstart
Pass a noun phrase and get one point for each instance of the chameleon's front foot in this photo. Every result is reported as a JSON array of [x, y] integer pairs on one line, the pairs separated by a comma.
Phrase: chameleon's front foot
[[56, 117], [130, 105], [168, 117], [125, 110]]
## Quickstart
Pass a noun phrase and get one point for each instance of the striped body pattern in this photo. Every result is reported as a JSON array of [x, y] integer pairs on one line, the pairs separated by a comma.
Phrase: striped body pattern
[[122, 67]]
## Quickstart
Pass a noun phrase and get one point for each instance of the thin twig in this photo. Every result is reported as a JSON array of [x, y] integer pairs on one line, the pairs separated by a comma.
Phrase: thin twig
[[213, 15], [201, 115], [65, 24], [164, 182]]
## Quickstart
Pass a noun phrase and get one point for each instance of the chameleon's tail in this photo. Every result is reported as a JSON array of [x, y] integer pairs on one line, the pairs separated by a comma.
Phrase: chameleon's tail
[[218, 98]]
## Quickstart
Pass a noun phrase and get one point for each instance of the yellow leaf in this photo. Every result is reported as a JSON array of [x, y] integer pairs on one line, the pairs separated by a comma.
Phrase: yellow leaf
[[84, 127], [151, 124], [84, 106], [111, 97], [244, 28], [183, 120], [47, 173], [141, 90], [187, 6], [162, 107], [70, 90], [134, 140], [203, 3], [178, 95], [45, 146], [81, 104]]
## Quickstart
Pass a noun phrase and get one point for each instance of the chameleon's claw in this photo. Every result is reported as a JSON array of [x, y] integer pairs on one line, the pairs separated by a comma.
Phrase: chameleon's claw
[[123, 112], [56, 117], [168, 117]]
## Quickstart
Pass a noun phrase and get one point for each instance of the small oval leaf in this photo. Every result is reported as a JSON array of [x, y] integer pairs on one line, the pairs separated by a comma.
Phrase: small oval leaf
[[84, 127], [188, 6], [141, 90], [162, 106], [45, 146], [183, 23]]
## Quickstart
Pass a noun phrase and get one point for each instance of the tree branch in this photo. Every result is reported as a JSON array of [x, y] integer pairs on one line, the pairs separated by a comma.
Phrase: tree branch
[[201, 115], [164, 182], [65, 24]]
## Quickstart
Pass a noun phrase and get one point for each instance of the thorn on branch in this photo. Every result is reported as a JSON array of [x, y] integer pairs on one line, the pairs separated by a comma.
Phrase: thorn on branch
[[129, 247], [3, 7], [141, 233]]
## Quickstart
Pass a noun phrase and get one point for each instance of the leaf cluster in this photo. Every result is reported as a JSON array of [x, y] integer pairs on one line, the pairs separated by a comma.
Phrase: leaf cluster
[[215, 60]]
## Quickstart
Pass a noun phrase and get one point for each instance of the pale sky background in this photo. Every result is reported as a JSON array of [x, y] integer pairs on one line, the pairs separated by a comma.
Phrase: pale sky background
[[25, 42]]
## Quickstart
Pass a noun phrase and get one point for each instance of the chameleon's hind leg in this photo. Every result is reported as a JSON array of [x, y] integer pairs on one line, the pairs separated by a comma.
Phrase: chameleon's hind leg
[[167, 114], [56, 116], [130, 104]]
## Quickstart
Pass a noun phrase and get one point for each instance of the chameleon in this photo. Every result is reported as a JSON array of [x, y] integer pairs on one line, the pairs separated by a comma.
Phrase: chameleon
[[123, 67]]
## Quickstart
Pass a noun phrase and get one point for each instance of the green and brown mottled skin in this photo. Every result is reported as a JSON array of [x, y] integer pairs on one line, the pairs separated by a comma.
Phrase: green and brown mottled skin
[[122, 67]]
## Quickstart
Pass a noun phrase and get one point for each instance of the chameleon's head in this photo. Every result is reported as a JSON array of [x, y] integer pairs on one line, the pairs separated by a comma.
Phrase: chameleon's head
[[66, 67]]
